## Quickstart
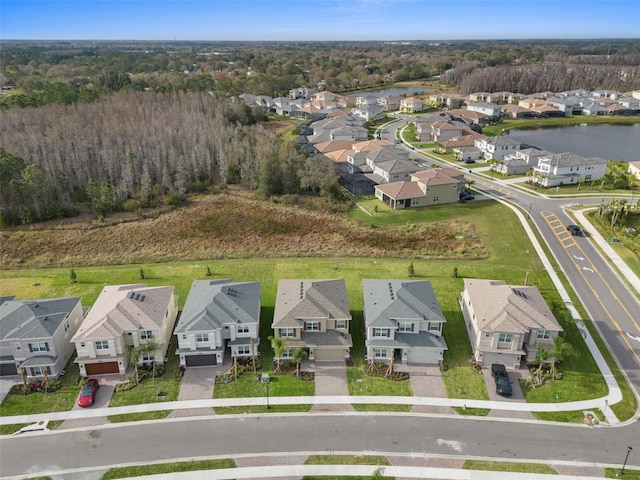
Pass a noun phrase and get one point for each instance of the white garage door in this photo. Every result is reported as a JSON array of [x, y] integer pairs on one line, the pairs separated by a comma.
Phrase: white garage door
[[329, 355], [423, 356]]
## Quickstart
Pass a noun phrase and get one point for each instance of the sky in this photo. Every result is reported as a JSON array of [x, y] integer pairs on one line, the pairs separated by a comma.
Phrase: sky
[[317, 20]]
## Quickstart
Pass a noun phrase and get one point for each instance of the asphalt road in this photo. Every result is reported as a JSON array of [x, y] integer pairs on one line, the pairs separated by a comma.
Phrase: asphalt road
[[466, 437]]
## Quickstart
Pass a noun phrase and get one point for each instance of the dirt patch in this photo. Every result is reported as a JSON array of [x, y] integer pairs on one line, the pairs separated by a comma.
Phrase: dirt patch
[[278, 127]]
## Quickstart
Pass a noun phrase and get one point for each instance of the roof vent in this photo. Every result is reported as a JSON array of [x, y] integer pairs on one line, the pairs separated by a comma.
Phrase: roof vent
[[142, 298]]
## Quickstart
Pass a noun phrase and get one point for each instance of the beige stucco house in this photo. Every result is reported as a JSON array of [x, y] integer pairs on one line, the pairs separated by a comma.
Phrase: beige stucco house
[[313, 314], [125, 316], [634, 169], [506, 324]]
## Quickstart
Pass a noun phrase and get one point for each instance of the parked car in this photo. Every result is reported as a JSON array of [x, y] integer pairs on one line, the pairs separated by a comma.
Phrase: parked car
[[469, 160], [466, 196], [87, 395], [574, 230], [501, 377]]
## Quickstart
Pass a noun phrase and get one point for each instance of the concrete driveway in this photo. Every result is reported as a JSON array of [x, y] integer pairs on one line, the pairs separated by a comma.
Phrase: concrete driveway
[[330, 380], [426, 381], [103, 397], [5, 385], [197, 384], [517, 396]]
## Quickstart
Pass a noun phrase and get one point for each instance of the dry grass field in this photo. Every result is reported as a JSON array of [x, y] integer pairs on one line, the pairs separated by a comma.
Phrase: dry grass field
[[235, 224]]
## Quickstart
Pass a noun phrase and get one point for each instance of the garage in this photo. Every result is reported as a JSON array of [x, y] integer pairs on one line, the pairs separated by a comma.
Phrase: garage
[[102, 368], [7, 369], [329, 354], [201, 360], [509, 361], [423, 356]]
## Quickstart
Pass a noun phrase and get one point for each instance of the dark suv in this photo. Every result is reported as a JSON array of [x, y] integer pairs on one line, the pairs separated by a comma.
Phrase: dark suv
[[574, 230], [500, 376]]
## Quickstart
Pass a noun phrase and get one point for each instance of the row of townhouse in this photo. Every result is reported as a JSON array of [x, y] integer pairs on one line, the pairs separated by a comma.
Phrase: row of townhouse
[[402, 321]]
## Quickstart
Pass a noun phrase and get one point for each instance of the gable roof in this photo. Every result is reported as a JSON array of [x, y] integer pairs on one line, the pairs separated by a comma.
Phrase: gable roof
[[213, 303], [34, 318], [301, 299], [499, 307], [121, 308], [400, 190]]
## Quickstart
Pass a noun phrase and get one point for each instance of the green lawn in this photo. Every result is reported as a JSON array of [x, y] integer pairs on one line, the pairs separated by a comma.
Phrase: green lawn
[[279, 386], [361, 384], [509, 467], [629, 474], [160, 468], [347, 460]]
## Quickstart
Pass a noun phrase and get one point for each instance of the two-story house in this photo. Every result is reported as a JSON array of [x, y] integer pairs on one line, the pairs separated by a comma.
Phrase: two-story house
[[125, 317], [412, 105], [486, 108], [519, 162], [313, 314], [567, 168], [219, 315], [403, 321], [506, 324], [35, 335], [497, 147]]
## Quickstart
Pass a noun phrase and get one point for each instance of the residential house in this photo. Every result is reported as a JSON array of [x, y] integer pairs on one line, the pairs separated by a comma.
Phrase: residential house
[[506, 324], [570, 105], [567, 168], [412, 105], [301, 92], [219, 316], [469, 117], [486, 108], [516, 111], [541, 107], [315, 315], [427, 187], [390, 102], [35, 335], [365, 100], [125, 317], [479, 96], [519, 162], [497, 147], [403, 321], [634, 169], [389, 164], [368, 112]]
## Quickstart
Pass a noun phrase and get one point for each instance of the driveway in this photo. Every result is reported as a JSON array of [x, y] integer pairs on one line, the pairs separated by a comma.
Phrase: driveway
[[426, 381], [198, 384], [5, 385], [331, 380], [103, 397], [517, 396]]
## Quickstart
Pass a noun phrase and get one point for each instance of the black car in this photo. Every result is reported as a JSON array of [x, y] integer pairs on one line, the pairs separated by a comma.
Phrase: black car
[[500, 376], [574, 230], [466, 196]]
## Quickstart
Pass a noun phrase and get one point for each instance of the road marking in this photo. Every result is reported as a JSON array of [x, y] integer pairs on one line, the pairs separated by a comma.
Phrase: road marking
[[550, 218], [588, 269], [637, 339], [578, 258]]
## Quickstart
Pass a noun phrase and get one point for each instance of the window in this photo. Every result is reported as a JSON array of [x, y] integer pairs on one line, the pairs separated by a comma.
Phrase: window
[[379, 353], [434, 326], [543, 334], [18, 346], [341, 324], [587, 177], [146, 357], [244, 350], [66, 325], [82, 344], [505, 338], [102, 344], [39, 347], [243, 328], [487, 335], [146, 335], [405, 327], [287, 353], [380, 332], [39, 371], [287, 332], [202, 337], [312, 326], [184, 337], [436, 199]]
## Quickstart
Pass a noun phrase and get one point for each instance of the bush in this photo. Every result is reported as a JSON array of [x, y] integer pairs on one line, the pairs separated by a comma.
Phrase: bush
[[380, 370]]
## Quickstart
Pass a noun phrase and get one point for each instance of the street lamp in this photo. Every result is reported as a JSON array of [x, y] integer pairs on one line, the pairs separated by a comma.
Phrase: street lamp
[[625, 460], [265, 380]]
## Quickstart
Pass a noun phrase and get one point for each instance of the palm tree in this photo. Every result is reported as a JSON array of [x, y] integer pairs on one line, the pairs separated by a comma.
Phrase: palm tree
[[561, 349], [298, 355], [134, 355], [253, 353], [150, 349], [543, 357], [23, 375], [279, 345]]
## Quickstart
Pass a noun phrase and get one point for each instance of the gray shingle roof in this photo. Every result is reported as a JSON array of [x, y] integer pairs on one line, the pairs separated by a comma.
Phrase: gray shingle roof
[[34, 318]]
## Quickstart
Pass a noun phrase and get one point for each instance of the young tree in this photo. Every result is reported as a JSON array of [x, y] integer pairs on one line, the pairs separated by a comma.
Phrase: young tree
[[411, 270], [561, 350], [298, 355], [253, 353], [72, 276], [542, 356], [150, 349], [279, 345], [134, 356]]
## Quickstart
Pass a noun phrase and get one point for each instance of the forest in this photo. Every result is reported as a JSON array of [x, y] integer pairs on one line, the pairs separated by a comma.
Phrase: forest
[[126, 125]]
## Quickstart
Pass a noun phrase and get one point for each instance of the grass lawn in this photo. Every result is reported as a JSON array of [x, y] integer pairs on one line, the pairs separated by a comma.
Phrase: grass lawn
[[592, 189], [361, 384], [345, 460], [509, 467], [575, 416], [629, 474], [280, 386], [160, 468], [147, 391]]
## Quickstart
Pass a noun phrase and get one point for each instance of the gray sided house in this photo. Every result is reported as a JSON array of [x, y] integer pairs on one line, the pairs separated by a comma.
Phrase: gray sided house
[[506, 324], [314, 315], [35, 335], [403, 321], [219, 316]]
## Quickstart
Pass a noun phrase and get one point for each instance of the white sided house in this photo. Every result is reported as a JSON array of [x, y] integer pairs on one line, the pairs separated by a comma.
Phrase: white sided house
[[506, 324], [567, 168], [219, 316], [403, 322], [124, 317]]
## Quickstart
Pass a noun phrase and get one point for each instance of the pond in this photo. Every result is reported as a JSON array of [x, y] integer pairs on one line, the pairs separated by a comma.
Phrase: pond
[[617, 142], [390, 91]]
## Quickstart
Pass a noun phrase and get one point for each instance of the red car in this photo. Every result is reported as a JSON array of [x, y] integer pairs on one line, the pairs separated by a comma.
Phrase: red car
[[88, 393]]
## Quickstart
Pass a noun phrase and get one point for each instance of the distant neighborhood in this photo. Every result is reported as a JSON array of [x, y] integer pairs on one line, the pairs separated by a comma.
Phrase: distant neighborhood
[[336, 126], [403, 323]]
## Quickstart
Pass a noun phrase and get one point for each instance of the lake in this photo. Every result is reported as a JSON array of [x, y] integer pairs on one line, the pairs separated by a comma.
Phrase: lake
[[617, 142], [390, 91]]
